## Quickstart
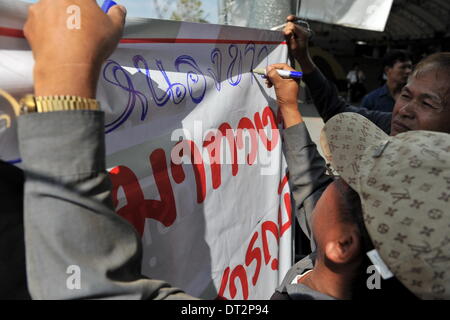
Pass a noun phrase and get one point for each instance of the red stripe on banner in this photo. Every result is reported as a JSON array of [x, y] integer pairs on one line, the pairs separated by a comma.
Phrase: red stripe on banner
[[199, 41], [17, 33], [13, 33]]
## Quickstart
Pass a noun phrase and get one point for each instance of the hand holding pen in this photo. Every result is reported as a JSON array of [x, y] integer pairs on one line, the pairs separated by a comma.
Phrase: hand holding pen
[[286, 90], [286, 74]]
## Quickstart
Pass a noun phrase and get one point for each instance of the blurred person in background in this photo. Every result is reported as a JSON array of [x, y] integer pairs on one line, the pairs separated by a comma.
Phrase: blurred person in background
[[355, 84], [397, 67]]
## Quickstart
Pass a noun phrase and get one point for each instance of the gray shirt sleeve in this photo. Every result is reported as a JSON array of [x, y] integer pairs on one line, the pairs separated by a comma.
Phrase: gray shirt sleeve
[[69, 217], [307, 177]]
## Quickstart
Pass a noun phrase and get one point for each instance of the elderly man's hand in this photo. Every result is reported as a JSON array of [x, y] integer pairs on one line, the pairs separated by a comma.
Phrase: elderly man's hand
[[286, 91], [68, 59], [297, 38]]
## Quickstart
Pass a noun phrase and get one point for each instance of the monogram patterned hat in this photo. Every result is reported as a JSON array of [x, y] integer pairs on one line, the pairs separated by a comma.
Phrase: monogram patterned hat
[[404, 186]]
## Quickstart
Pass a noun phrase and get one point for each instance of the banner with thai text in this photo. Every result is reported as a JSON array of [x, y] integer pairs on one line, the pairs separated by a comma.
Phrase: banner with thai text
[[193, 149]]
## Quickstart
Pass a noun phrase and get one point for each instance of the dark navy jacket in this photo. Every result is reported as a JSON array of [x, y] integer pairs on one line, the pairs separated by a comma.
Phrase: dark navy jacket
[[379, 99]]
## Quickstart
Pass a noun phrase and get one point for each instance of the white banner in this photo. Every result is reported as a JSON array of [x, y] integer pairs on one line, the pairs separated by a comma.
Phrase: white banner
[[175, 94], [361, 14]]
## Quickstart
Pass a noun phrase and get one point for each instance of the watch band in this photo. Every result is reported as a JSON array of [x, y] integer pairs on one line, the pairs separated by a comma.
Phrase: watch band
[[30, 103]]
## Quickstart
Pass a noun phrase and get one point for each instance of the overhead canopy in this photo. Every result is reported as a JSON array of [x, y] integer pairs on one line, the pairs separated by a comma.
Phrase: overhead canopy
[[408, 20], [360, 14]]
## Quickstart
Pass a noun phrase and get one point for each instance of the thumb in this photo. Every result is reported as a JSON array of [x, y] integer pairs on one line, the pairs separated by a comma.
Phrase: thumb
[[272, 74], [117, 14], [291, 37]]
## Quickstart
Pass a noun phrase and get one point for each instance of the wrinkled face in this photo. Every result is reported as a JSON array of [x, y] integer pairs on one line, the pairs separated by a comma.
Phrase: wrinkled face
[[422, 104], [399, 72]]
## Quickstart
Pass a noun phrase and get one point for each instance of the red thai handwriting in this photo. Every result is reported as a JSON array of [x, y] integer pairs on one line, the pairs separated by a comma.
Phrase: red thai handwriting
[[257, 252], [138, 209]]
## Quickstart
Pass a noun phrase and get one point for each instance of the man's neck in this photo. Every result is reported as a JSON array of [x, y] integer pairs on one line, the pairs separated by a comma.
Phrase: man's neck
[[326, 281], [394, 88]]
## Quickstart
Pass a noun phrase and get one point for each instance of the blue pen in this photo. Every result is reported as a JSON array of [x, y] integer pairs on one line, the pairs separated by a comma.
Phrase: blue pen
[[283, 73], [107, 4]]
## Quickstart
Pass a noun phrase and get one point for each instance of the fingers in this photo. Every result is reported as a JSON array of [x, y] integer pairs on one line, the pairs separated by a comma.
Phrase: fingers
[[291, 18], [282, 66], [290, 30], [117, 14], [272, 76], [298, 30]]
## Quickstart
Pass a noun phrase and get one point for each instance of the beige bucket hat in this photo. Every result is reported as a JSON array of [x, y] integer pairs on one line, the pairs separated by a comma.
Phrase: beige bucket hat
[[404, 186]]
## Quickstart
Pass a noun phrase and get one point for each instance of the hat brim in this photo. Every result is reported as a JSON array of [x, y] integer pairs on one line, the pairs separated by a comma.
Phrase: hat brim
[[345, 140]]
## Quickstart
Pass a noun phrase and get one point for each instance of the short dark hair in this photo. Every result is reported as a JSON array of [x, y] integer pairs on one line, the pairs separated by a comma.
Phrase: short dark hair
[[439, 62], [395, 55]]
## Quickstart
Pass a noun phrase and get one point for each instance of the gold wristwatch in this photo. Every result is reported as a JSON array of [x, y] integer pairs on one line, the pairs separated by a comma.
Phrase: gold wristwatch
[[30, 104]]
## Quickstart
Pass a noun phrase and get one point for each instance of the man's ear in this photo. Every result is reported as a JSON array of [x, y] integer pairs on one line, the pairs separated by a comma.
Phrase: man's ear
[[386, 70], [344, 249]]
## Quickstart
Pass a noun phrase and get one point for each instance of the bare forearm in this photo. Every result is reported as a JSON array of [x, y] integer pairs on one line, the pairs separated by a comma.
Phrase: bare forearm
[[291, 115]]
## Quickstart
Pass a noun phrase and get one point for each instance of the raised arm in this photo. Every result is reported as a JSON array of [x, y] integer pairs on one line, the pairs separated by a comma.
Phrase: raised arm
[[307, 176], [324, 93], [76, 245]]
